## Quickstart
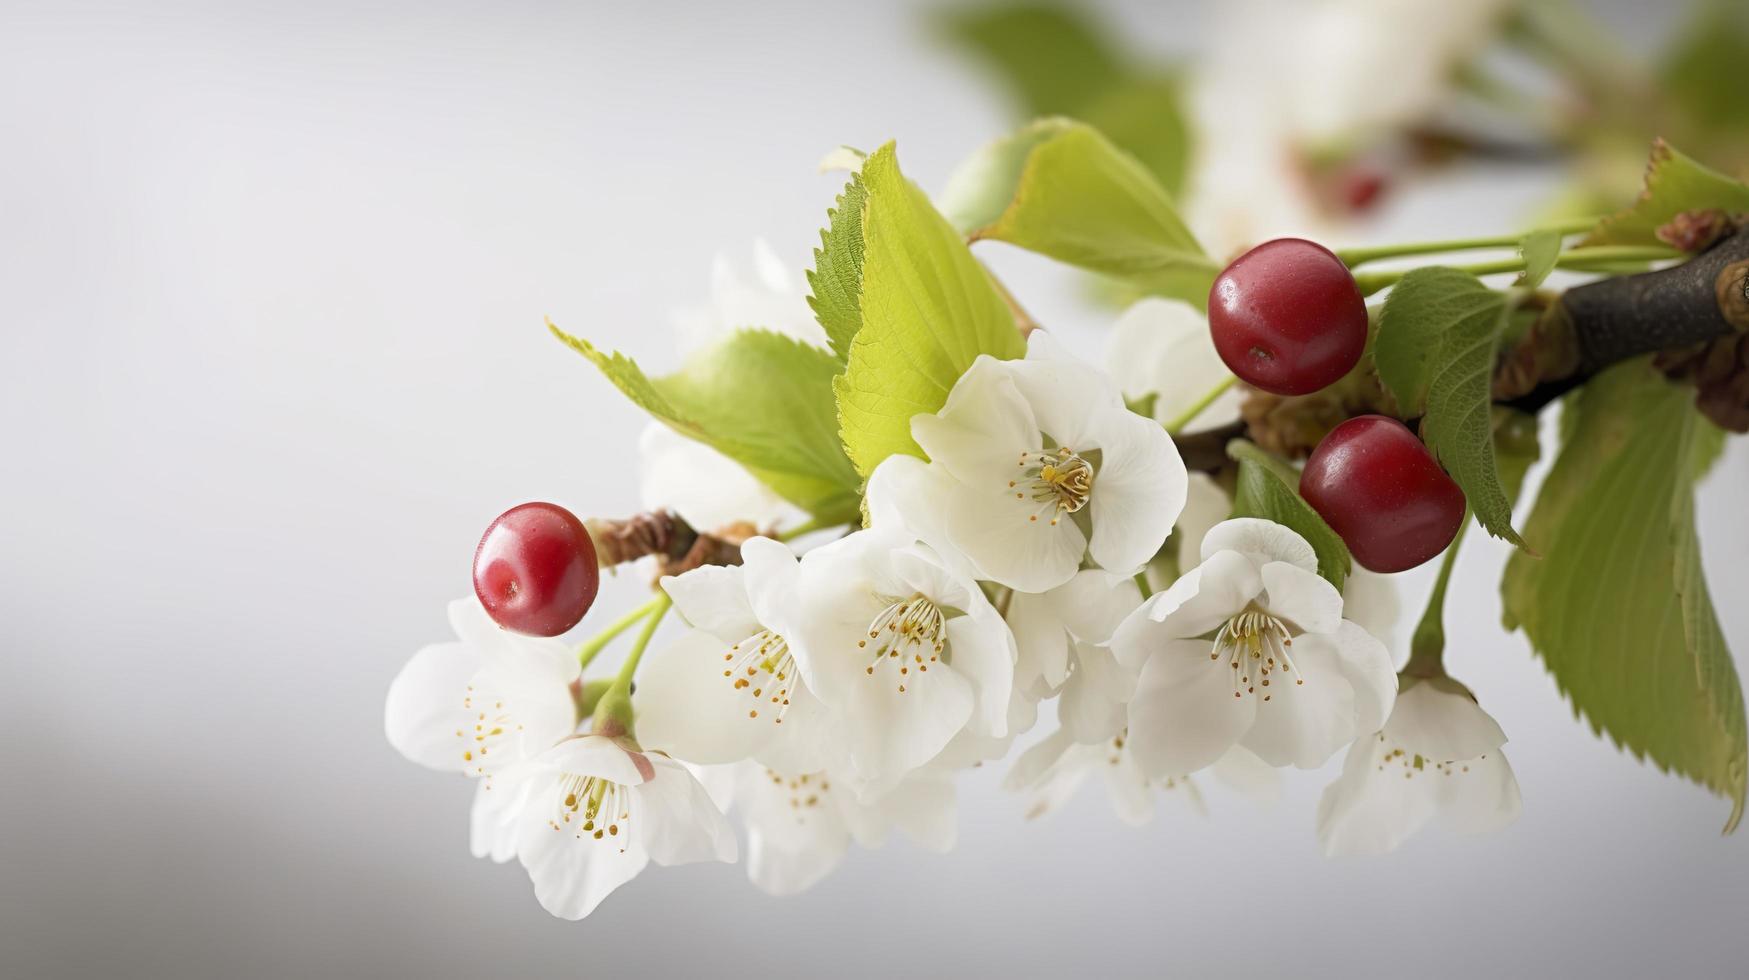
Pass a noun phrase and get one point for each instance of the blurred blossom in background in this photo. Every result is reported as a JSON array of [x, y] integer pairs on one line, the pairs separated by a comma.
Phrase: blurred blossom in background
[[272, 279]]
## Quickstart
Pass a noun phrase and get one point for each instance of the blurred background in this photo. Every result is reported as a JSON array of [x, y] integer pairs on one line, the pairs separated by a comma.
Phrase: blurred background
[[272, 280]]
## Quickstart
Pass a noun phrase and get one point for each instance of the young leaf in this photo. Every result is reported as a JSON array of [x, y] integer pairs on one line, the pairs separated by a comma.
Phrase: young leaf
[[1269, 488], [761, 399], [1674, 184], [1540, 249], [835, 281], [1617, 606], [1053, 58], [1435, 354], [1059, 188], [928, 311]]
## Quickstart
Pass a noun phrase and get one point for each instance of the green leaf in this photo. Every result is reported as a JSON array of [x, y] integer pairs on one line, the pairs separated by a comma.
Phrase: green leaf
[[1268, 488], [1540, 249], [1059, 188], [1145, 117], [835, 282], [1435, 353], [761, 399], [1617, 606], [1052, 57], [1703, 71], [1674, 184], [928, 311]]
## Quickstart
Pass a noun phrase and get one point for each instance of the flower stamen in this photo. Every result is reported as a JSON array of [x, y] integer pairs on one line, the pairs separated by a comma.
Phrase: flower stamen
[[904, 634], [762, 666], [1255, 645], [1061, 482], [594, 808]]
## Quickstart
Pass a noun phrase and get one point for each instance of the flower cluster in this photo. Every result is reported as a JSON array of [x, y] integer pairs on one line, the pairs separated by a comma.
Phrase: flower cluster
[[830, 697]]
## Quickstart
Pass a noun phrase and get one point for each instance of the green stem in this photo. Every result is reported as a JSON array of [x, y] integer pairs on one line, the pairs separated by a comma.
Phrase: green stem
[[1142, 584], [599, 641], [613, 713], [1355, 256], [806, 527], [1427, 648], [1579, 258], [1185, 417]]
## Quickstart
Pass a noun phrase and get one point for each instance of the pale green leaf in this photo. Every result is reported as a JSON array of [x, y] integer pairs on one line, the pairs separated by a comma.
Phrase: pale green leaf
[[1435, 353], [1145, 117], [835, 281], [928, 311], [1052, 57], [1616, 605], [1540, 249], [1268, 487], [1674, 184], [1060, 188], [759, 398]]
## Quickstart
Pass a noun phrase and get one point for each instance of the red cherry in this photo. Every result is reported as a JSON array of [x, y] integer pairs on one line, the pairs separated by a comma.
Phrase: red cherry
[[1287, 317], [1378, 487], [535, 570]]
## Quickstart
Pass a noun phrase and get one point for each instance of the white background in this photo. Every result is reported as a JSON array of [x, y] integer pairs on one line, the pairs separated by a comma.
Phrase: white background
[[271, 287]]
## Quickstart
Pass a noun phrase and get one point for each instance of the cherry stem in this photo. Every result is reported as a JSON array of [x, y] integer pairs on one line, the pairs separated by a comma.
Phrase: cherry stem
[[599, 641], [613, 713], [1185, 417], [1352, 257], [806, 527], [1585, 259], [1142, 584], [1427, 648]]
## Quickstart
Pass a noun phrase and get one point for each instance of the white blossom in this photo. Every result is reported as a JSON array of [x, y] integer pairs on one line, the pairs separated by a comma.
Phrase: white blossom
[[1162, 348], [1283, 675], [1438, 757]]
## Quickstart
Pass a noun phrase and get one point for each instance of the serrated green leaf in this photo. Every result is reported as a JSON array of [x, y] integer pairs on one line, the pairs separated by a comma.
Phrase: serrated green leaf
[[1268, 487], [1435, 351], [835, 281], [1674, 184], [928, 311], [760, 398], [1060, 188], [1540, 249], [1616, 605]]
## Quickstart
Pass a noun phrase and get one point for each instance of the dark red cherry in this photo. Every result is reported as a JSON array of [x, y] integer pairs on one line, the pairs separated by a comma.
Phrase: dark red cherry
[[1378, 487], [1287, 317], [535, 570]]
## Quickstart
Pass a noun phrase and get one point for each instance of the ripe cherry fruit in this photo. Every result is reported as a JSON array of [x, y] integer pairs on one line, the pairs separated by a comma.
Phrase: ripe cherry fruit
[[1379, 488], [1287, 317], [535, 570]]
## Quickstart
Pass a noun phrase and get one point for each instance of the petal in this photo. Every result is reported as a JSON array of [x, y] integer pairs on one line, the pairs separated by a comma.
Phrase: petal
[[1480, 796], [1184, 715], [596, 755], [1370, 600], [675, 818], [1440, 720], [811, 740], [700, 484], [1011, 539], [571, 871], [1253, 779], [424, 714], [893, 732], [1040, 638], [1092, 703], [472, 625], [1260, 540], [1138, 345], [1303, 724], [1036, 763], [1093, 603], [1068, 396], [984, 426], [497, 813], [1205, 505], [982, 651], [794, 859], [1373, 806], [1367, 665], [1302, 598], [923, 808], [1138, 492], [1126, 786], [713, 598], [1208, 595], [687, 707], [770, 577], [906, 493]]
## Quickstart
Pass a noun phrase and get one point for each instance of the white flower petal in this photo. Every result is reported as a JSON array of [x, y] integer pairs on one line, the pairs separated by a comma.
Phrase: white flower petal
[[1260, 540], [907, 494], [1302, 598], [1126, 786], [1138, 493], [1070, 398], [984, 426], [1253, 779], [1367, 665], [676, 819], [1206, 596], [1370, 808], [687, 707], [1303, 724], [1440, 720], [1205, 505], [771, 572], [496, 818], [1012, 540], [1092, 704], [599, 756], [1370, 600], [891, 733], [924, 809], [424, 710], [702, 485], [982, 652], [713, 598], [571, 871], [1482, 800], [1184, 715]]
